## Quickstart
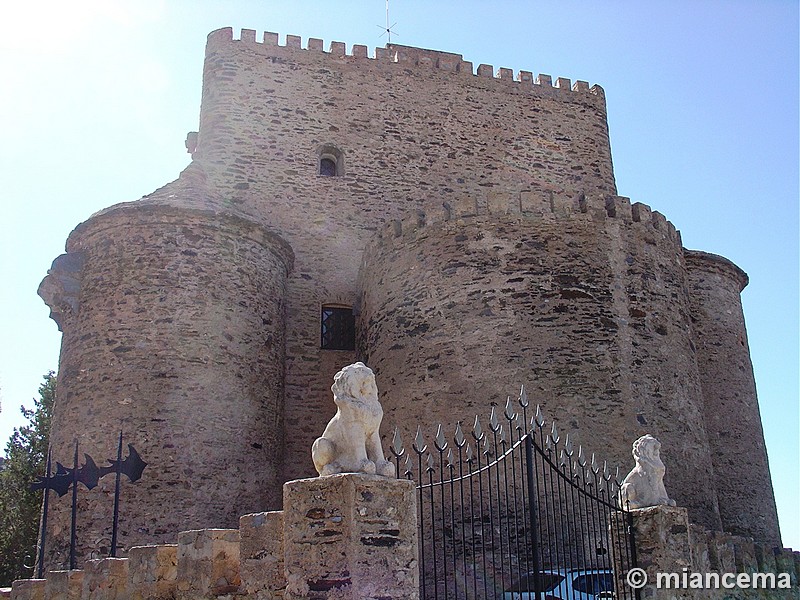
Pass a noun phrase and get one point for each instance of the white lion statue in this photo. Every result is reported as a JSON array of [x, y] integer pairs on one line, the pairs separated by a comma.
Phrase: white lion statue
[[351, 442], [644, 485]]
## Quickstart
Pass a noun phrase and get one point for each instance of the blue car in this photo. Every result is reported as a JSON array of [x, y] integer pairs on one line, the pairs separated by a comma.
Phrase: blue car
[[559, 584]]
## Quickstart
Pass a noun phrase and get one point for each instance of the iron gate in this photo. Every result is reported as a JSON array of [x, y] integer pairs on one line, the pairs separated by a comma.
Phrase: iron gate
[[516, 512]]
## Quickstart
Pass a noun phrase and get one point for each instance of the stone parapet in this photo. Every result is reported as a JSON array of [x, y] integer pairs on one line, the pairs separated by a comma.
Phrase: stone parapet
[[405, 57], [699, 560]]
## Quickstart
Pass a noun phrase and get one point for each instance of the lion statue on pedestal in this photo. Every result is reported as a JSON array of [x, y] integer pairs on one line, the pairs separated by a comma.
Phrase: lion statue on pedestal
[[351, 441], [644, 485]]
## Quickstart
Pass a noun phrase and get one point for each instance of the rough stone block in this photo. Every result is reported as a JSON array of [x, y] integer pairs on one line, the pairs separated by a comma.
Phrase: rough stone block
[[64, 585], [765, 558], [784, 563], [505, 74], [526, 76], [153, 572], [485, 71], [293, 41], [261, 554], [534, 203], [208, 563], [699, 536], [337, 49], [721, 553], [350, 537], [563, 83], [544, 80], [359, 51], [640, 212], [248, 35], [499, 203], [619, 207], [28, 589], [270, 38], [744, 555], [314, 44], [105, 579]]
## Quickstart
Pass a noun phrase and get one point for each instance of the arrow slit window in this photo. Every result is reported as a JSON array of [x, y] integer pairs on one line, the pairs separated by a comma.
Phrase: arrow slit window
[[338, 331]]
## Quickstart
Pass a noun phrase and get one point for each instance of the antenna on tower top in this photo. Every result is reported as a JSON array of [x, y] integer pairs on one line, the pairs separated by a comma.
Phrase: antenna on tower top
[[388, 29]]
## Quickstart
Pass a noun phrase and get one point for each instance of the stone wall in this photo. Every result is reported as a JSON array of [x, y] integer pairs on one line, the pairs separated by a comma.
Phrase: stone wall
[[416, 129], [343, 537], [587, 308], [733, 421], [191, 318], [667, 543], [170, 338]]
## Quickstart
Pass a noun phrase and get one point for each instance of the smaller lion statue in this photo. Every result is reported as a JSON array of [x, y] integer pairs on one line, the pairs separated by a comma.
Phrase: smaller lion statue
[[644, 485], [351, 442]]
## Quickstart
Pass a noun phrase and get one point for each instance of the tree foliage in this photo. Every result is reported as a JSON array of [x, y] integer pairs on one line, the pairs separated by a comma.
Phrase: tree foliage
[[25, 459]]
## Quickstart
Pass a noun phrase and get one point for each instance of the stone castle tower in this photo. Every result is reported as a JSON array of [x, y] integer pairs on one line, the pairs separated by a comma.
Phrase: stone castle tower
[[459, 231]]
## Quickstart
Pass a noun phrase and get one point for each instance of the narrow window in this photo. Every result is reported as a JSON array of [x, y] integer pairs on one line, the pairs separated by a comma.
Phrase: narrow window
[[338, 328], [327, 167], [330, 160]]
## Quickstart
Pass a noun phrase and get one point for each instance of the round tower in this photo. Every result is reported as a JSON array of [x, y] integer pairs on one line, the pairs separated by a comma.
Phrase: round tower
[[584, 303], [733, 421], [173, 332]]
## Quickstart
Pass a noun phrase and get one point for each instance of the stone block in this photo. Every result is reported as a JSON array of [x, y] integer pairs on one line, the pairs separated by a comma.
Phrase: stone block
[[766, 559], [499, 203], [28, 589], [722, 554], [663, 544], [535, 202], [784, 563], [261, 554], [64, 585], [153, 572], [350, 537], [745, 555], [105, 579], [208, 563]]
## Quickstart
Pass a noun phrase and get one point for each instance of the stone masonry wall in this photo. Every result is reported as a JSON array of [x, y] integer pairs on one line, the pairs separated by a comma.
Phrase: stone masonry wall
[[733, 421], [170, 337], [416, 128], [590, 311]]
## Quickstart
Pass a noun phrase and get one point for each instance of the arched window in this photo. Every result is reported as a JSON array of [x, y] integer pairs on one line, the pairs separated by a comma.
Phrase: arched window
[[331, 161], [327, 167], [338, 328]]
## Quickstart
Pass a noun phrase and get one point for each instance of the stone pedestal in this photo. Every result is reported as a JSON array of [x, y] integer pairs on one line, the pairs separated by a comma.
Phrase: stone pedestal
[[64, 585], [153, 572], [261, 555], [350, 537], [208, 563], [105, 579]]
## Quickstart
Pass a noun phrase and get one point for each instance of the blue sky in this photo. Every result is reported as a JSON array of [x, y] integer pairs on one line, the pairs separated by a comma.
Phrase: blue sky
[[97, 97]]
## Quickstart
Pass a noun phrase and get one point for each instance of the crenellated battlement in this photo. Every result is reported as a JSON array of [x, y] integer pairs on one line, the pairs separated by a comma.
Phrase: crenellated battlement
[[532, 206], [407, 57]]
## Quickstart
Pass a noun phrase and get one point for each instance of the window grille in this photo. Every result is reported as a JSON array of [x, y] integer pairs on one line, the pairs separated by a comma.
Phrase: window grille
[[338, 328]]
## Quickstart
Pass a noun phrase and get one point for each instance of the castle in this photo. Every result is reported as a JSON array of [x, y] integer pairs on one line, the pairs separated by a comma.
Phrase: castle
[[457, 229]]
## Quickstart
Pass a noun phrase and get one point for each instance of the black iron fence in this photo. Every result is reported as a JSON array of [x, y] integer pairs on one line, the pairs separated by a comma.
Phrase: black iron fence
[[515, 511]]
